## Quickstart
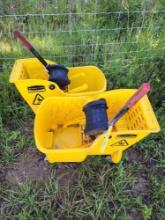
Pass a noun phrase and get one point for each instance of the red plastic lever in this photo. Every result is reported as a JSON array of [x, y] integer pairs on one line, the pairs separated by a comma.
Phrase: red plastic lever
[[22, 39], [142, 91]]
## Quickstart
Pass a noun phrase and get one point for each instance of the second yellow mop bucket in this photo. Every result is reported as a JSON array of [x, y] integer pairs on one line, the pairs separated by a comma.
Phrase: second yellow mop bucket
[[60, 121], [31, 79]]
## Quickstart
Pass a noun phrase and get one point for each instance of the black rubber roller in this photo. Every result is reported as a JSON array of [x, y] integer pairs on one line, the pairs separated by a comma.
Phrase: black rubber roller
[[96, 117], [59, 74]]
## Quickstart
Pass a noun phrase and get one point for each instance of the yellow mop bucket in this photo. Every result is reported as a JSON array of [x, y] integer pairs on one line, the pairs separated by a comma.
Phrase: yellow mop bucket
[[60, 123], [31, 79]]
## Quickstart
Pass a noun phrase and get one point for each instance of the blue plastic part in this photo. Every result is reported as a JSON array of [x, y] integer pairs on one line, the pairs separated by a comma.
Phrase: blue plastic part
[[58, 74], [96, 117]]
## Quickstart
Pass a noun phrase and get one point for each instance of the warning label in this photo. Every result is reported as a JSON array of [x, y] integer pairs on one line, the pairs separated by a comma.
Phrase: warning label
[[120, 143], [36, 88], [38, 99]]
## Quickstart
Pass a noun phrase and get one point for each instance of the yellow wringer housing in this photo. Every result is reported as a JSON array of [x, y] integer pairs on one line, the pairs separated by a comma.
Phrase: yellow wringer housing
[[64, 133], [38, 79], [31, 80]]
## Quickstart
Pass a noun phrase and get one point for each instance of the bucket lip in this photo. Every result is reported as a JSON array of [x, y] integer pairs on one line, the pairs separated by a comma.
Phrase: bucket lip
[[96, 102], [14, 76]]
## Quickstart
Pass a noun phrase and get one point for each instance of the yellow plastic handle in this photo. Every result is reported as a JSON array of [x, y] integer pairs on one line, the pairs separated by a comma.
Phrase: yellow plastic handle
[[106, 139]]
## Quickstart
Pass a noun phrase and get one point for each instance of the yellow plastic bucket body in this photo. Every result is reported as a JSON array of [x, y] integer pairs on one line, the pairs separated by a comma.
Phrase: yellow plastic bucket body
[[31, 80], [59, 127]]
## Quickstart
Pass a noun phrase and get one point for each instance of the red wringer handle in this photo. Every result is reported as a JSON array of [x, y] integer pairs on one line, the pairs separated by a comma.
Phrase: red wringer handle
[[142, 91], [28, 46], [22, 40]]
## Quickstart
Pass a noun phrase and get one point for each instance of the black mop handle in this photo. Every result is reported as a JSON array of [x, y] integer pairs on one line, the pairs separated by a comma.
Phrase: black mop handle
[[28, 46]]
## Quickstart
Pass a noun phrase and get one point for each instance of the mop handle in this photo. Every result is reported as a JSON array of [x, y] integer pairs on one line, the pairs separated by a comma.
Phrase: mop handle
[[142, 91], [28, 46]]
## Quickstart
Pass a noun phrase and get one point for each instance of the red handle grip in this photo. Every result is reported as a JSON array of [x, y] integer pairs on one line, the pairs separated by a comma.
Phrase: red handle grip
[[22, 39], [142, 91]]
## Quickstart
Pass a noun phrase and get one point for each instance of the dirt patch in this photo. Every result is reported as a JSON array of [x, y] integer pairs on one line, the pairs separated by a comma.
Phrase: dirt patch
[[133, 155], [2, 174], [134, 214], [151, 163], [31, 168], [66, 175], [141, 188], [66, 178]]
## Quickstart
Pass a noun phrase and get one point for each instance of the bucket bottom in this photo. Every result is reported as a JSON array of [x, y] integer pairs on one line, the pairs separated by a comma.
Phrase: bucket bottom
[[70, 137]]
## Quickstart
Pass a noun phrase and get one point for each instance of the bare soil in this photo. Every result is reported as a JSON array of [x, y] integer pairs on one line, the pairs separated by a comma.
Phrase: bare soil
[[142, 188], [134, 214], [66, 176], [133, 155], [32, 167]]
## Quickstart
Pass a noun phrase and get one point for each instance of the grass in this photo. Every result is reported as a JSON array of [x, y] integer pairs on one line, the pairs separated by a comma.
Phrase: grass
[[134, 188]]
